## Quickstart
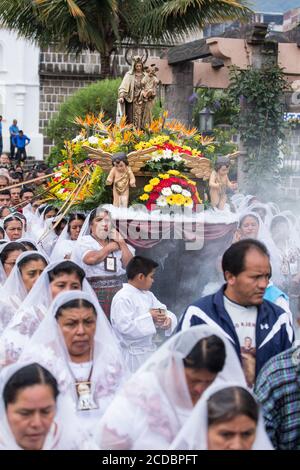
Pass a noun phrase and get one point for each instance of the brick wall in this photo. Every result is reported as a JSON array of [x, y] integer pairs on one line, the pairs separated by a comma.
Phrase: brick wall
[[62, 74]]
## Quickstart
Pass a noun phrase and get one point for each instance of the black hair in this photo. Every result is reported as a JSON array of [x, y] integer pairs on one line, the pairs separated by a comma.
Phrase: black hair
[[16, 175], [24, 190], [33, 374], [208, 353], [2, 232], [5, 191], [140, 265], [75, 216], [95, 212], [12, 218], [76, 303], [67, 267], [49, 209], [59, 228], [11, 246], [230, 402], [233, 259], [254, 216], [29, 258], [29, 245]]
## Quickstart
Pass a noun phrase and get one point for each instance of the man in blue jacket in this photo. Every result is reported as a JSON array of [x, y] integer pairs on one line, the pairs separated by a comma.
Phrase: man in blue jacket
[[20, 141], [257, 328]]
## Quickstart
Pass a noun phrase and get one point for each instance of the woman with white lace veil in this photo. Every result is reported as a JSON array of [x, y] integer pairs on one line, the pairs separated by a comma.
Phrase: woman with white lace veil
[[227, 417], [65, 244], [76, 343], [13, 227], [57, 427], [104, 255], [251, 226], [29, 266], [9, 253], [157, 400], [56, 278]]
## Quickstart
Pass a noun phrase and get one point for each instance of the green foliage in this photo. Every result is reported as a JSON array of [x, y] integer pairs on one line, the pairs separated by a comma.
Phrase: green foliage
[[219, 101], [100, 96], [102, 195], [260, 93]]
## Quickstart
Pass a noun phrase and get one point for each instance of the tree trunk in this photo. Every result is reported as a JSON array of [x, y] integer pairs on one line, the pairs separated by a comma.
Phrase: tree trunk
[[106, 71]]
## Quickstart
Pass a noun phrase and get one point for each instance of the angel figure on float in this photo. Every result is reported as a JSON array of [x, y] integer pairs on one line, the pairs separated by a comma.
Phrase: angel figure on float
[[219, 183], [121, 175]]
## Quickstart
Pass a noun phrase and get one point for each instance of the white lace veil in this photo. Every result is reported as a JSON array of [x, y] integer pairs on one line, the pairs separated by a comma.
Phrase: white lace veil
[[193, 434], [64, 434], [47, 346], [29, 316], [160, 392], [9, 217], [14, 285], [265, 237]]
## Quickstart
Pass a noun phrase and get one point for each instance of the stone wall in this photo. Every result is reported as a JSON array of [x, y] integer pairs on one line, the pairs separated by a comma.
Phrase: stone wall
[[62, 74], [291, 165]]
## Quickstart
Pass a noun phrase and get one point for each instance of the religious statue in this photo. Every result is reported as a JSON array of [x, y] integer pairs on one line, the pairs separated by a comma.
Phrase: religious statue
[[150, 84], [130, 102], [121, 177], [219, 183]]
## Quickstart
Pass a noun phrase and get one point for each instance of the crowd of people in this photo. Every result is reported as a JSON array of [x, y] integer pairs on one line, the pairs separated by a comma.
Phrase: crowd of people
[[80, 363]]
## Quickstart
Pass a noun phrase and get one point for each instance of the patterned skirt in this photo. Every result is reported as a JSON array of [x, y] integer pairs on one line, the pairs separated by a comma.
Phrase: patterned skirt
[[105, 288]]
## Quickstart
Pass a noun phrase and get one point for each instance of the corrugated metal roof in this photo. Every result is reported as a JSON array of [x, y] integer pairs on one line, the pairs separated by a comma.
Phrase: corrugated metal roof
[[274, 6]]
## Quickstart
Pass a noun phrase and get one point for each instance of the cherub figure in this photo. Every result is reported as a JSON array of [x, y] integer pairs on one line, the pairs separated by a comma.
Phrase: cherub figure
[[121, 177], [219, 183]]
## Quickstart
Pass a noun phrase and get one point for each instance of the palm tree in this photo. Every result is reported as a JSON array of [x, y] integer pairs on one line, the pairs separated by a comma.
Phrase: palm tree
[[77, 25], [173, 19]]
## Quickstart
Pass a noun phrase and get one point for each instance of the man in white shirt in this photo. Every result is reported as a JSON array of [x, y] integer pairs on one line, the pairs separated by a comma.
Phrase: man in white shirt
[[137, 315]]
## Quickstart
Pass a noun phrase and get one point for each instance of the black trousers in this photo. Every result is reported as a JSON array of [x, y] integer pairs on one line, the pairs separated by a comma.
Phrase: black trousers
[[21, 154], [12, 148]]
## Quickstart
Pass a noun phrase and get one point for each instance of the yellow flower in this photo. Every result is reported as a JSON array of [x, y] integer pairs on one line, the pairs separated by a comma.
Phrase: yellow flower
[[148, 188], [144, 197], [170, 200], [188, 202], [154, 181], [179, 199], [174, 172], [164, 176]]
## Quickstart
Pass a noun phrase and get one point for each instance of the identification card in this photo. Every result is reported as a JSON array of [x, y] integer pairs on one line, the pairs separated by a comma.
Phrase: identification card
[[110, 264]]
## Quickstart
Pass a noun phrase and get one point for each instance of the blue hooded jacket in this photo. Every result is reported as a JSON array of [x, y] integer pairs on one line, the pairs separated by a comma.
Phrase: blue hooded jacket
[[274, 332]]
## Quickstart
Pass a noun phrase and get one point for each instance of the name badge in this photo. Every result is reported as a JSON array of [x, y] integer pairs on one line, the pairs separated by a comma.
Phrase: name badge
[[110, 264]]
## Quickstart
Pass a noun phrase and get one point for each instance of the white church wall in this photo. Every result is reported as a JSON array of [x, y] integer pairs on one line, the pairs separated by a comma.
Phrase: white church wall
[[20, 90]]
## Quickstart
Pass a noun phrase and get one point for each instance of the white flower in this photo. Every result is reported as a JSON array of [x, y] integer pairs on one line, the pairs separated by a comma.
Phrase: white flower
[[161, 201], [93, 140], [186, 193], [176, 188], [177, 158], [156, 159], [166, 191], [107, 141], [168, 154], [78, 138], [58, 175]]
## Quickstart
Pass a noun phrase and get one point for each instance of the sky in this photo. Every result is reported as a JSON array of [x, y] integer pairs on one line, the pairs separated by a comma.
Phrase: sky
[[276, 6]]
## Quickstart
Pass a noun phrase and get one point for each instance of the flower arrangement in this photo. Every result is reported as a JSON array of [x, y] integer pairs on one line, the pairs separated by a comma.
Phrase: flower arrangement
[[170, 189]]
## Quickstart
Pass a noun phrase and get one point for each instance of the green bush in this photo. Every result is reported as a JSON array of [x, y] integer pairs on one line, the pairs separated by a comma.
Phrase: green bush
[[100, 96]]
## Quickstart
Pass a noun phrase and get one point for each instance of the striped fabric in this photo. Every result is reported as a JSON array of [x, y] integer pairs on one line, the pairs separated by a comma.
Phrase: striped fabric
[[278, 390]]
